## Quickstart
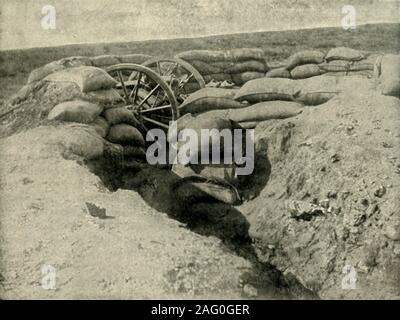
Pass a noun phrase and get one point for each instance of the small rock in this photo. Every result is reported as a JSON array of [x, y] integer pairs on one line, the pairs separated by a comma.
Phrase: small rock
[[250, 291], [27, 180], [96, 211], [392, 232], [335, 158], [332, 194], [324, 203], [365, 202], [372, 210], [380, 192]]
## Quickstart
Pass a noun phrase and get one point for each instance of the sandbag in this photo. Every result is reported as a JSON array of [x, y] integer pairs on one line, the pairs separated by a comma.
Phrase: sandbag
[[362, 66], [205, 68], [136, 58], [75, 61], [205, 121], [243, 54], [245, 66], [223, 64], [107, 97], [217, 77], [342, 53], [134, 152], [266, 89], [365, 73], [125, 134], [265, 111], [317, 90], [305, 57], [68, 62], [105, 60], [77, 139], [194, 187], [377, 66], [390, 75], [87, 78], [278, 73], [42, 72], [120, 115], [244, 77], [101, 126], [207, 99], [203, 55], [221, 171], [75, 111], [335, 66], [306, 71], [315, 98]]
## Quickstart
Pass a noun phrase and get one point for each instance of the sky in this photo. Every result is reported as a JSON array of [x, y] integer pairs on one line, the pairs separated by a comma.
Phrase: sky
[[91, 21]]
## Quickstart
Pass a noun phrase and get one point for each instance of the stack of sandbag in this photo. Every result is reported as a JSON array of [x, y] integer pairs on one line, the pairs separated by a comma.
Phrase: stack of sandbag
[[82, 112], [76, 111], [102, 61], [389, 71], [269, 98], [74, 84], [338, 61], [303, 64], [345, 61], [249, 117], [208, 99], [42, 72], [201, 181], [123, 131], [84, 82], [237, 65]]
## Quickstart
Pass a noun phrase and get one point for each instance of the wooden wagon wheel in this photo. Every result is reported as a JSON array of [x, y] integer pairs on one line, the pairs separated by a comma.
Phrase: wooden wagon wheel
[[146, 94], [181, 76]]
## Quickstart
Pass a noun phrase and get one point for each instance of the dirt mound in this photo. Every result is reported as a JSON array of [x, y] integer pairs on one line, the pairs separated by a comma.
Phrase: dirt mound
[[329, 200]]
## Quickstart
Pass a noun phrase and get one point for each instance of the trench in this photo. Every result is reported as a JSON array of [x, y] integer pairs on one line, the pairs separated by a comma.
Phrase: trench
[[205, 216]]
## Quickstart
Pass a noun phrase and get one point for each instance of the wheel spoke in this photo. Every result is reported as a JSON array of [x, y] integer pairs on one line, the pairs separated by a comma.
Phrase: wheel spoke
[[123, 84], [170, 71], [121, 97], [136, 88], [159, 68], [148, 96], [155, 122], [155, 109], [156, 99]]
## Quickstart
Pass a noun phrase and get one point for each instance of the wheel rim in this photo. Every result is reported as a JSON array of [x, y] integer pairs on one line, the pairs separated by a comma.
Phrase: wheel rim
[[146, 94], [180, 75]]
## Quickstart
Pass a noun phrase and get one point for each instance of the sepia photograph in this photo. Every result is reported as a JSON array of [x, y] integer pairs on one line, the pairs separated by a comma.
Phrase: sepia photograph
[[204, 150]]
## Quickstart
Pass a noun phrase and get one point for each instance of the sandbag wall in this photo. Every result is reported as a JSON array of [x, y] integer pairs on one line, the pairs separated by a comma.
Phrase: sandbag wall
[[237, 65], [79, 61], [337, 62], [91, 100]]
